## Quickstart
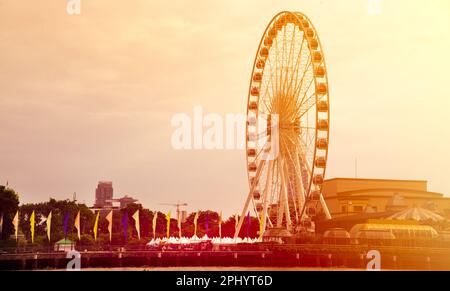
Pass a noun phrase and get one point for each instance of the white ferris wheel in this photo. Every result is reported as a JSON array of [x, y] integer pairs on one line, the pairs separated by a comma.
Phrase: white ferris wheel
[[287, 152]]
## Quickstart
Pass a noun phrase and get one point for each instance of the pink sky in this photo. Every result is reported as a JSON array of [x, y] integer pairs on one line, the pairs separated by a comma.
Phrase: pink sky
[[90, 97]]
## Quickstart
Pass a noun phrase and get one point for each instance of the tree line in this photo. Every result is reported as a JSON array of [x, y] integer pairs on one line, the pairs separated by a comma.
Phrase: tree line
[[123, 225]]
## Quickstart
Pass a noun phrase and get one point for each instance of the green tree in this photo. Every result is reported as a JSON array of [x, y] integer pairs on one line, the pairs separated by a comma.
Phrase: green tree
[[59, 209], [9, 203]]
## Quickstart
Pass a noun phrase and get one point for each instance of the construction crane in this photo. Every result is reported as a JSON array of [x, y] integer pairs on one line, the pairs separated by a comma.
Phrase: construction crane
[[177, 205]]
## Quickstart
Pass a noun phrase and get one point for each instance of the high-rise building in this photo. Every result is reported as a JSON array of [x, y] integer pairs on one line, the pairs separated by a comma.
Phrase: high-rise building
[[104, 194]]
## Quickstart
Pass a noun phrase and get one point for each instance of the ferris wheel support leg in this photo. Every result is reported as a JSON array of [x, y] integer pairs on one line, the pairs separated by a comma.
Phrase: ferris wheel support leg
[[325, 207], [280, 206], [265, 197], [249, 198], [294, 198], [285, 205], [300, 190]]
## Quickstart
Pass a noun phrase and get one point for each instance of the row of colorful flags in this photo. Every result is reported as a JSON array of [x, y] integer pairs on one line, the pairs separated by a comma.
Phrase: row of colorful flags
[[109, 217]]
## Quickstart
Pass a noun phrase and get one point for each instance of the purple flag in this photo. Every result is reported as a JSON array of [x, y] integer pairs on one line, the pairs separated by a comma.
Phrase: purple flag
[[66, 222], [125, 224]]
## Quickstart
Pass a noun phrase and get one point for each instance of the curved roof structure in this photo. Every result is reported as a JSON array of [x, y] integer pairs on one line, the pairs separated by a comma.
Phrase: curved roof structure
[[418, 214]]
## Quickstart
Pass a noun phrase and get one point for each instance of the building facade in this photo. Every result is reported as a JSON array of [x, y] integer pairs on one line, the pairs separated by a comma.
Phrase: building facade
[[348, 196], [104, 195]]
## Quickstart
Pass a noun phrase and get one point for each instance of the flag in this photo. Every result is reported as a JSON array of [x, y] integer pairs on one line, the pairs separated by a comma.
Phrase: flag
[[16, 225], [136, 223], [96, 226], [32, 221], [49, 225], [77, 225], [66, 223], [248, 223], [155, 217], [168, 224], [125, 224], [1, 225], [109, 218], [42, 220], [220, 224], [195, 223]]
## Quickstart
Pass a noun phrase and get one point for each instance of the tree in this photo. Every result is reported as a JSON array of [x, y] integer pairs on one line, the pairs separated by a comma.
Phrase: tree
[[59, 208], [9, 203]]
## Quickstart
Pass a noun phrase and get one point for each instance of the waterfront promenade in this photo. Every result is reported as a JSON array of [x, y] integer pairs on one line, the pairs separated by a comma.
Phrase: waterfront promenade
[[287, 256]]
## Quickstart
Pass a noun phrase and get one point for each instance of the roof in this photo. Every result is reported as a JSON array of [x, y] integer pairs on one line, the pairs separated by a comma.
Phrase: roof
[[360, 216], [369, 179], [277, 232], [369, 193], [64, 242], [336, 233], [416, 213]]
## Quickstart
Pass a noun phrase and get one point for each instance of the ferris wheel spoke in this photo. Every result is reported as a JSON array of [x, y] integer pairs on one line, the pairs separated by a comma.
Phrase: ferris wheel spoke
[[306, 105], [289, 62], [296, 68], [269, 83], [299, 83], [282, 61], [297, 93]]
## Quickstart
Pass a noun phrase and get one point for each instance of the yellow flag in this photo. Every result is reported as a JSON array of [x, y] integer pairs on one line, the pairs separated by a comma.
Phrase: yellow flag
[[220, 224], [49, 225], [137, 223], [16, 225], [195, 223], [96, 226], [77, 225], [109, 218], [155, 217], [168, 224], [32, 222]]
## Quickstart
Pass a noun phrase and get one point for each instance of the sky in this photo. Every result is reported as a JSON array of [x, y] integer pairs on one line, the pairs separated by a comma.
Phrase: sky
[[90, 97]]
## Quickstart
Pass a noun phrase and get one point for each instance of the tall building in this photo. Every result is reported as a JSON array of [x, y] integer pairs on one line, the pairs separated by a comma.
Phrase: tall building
[[104, 194]]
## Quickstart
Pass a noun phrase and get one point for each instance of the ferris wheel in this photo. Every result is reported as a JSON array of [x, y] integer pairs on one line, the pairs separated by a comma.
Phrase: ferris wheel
[[287, 126]]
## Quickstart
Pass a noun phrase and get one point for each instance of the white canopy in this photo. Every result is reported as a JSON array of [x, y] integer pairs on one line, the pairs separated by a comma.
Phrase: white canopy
[[418, 214]]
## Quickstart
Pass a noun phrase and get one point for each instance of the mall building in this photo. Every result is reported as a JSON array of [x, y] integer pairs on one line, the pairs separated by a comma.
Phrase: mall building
[[349, 196]]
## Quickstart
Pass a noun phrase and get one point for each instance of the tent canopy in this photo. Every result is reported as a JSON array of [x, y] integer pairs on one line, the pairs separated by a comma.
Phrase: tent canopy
[[418, 214], [64, 242]]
